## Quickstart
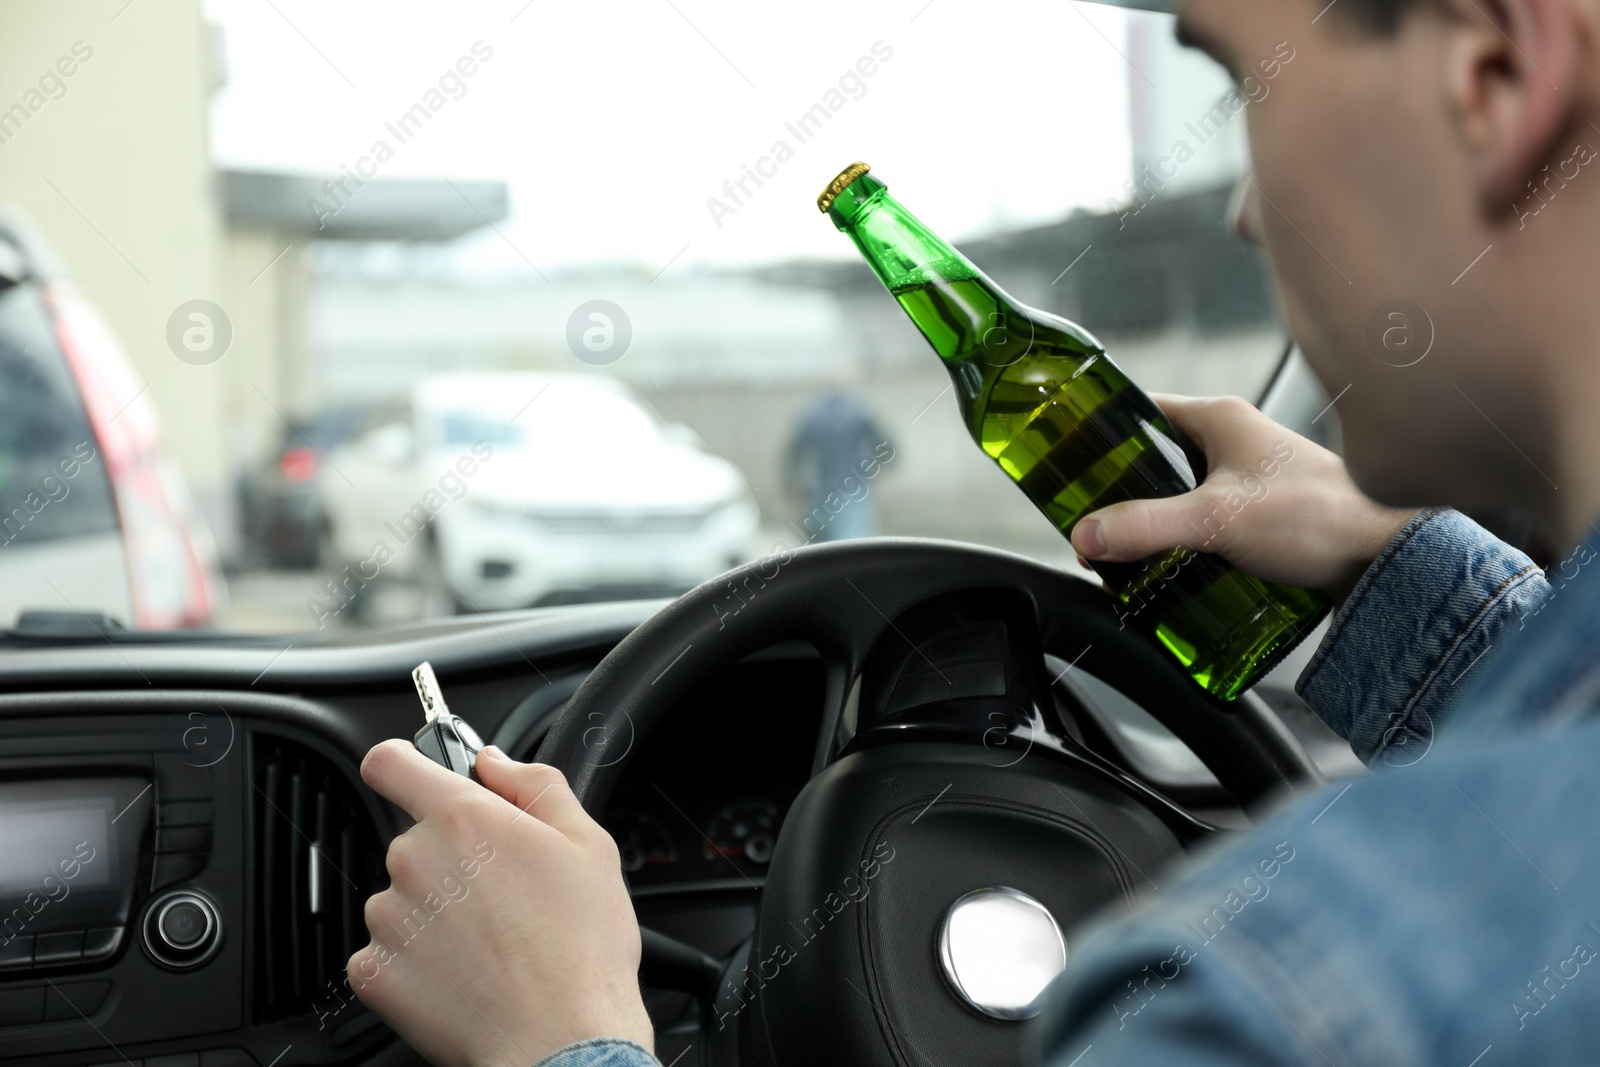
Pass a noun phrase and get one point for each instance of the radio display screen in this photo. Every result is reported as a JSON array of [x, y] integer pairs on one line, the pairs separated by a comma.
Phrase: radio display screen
[[42, 840], [69, 852]]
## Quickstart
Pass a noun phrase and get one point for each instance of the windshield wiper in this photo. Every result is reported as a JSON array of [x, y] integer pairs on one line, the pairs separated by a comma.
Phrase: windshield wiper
[[37, 627], [59, 624]]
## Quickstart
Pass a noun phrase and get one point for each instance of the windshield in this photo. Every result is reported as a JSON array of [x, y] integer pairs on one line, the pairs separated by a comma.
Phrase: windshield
[[325, 317]]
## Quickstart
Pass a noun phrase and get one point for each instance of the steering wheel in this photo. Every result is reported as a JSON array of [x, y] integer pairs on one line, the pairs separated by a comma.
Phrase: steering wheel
[[929, 879]]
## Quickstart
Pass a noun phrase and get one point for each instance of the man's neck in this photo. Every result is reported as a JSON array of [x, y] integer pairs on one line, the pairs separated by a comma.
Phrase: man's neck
[[1576, 506], [1552, 347]]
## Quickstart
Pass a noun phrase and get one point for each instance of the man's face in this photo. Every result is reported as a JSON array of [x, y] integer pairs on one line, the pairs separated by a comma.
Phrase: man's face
[[1364, 202]]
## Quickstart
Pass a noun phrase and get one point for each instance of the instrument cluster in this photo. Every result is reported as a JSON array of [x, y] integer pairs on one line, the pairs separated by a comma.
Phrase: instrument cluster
[[688, 840]]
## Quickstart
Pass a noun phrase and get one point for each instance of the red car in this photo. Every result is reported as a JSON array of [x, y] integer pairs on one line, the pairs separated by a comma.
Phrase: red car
[[96, 523]]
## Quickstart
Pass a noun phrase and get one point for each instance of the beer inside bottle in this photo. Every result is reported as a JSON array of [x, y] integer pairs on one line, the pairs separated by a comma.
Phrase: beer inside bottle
[[1045, 402]]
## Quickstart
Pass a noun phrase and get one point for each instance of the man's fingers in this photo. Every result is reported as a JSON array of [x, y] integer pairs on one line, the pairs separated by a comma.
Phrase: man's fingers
[[398, 772], [1184, 412], [1135, 529], [535, 788], [1208, 421]]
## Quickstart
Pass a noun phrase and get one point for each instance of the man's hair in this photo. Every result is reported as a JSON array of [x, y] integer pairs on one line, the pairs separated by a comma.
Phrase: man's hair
[[1383, 16]]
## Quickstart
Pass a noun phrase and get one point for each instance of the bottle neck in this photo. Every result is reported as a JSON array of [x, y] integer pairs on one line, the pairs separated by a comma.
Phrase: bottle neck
[[901, 250], [948, 298]]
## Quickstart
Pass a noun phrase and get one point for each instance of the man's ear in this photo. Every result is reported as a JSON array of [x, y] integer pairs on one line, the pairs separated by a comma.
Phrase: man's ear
[[1513, 78]]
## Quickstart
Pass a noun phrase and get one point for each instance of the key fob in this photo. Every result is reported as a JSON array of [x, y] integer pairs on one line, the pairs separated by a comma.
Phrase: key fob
[[445, 738]]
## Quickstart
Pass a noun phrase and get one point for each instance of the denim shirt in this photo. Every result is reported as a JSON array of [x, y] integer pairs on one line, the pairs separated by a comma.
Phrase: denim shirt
[[601, 1052], [1442, 910]]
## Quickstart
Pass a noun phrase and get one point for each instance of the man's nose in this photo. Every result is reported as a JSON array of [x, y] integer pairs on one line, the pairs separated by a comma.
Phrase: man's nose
[[1244, 209]]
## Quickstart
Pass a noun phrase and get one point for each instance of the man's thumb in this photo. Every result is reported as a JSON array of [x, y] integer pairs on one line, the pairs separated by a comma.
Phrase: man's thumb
[[1135, 529]]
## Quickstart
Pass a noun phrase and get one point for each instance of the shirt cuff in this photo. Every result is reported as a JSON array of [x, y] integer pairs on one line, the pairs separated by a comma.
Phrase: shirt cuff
[[600, 1052], [1418, 623]]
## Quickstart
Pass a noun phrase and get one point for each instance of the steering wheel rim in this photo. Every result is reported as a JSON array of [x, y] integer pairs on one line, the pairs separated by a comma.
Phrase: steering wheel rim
[[841, 596], [1007, 827]]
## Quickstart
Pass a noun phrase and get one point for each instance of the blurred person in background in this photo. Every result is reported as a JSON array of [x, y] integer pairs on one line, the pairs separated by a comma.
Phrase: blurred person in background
[[836, 441]]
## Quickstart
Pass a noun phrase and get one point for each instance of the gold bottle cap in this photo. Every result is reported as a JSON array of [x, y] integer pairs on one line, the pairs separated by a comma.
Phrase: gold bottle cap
[[839, 185]]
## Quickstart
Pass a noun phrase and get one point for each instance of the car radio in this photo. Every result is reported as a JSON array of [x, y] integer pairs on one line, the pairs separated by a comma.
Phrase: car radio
[[80, 852], [181, 881], [103, 880], [66, 871]]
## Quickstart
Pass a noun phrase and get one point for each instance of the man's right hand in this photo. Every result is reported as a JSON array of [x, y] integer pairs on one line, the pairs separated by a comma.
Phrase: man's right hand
[[1274, 504]]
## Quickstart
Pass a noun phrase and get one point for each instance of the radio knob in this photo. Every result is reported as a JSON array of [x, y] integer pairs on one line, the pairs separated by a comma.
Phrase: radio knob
[[183, 925], [181, 929]]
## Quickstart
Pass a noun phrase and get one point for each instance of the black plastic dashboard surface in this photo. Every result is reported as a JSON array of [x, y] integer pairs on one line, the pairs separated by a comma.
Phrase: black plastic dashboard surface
[[241, 829]]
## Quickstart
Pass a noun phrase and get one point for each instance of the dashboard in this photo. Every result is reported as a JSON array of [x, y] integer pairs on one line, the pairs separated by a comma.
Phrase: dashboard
[[186, 844], [185, 841]]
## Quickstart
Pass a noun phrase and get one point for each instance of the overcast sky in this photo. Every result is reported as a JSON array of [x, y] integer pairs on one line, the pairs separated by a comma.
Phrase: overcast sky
[[615, 121]]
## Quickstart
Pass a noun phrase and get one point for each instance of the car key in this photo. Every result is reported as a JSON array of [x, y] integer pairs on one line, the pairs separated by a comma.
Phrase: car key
[[445, 738]]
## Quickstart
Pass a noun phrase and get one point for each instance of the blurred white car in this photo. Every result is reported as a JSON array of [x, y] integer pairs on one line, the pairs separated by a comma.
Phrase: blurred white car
[[494, 491]]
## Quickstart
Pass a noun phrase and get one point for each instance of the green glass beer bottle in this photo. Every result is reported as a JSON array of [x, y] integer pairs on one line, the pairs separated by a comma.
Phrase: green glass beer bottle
[[1045, 402]]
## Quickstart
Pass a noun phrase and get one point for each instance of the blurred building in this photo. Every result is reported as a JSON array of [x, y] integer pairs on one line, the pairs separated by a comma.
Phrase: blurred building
[[384, 307], [273, 223], [111, 162], [104, 144]]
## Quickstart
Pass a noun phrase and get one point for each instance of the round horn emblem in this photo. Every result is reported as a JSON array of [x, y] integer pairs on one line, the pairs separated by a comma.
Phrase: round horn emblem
[[1000, 948]]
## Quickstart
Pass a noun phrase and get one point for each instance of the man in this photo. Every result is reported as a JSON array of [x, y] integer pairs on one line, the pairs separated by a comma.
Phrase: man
[[1430, 151], [836, 439]]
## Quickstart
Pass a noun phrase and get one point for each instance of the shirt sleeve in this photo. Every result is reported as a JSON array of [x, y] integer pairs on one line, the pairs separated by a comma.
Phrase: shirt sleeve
[[1419, 623], [1414, 917], [1158, 998], [600, 1052]]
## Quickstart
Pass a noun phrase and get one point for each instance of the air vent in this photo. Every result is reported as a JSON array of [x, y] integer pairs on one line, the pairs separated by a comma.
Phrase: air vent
[[317, 858]]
